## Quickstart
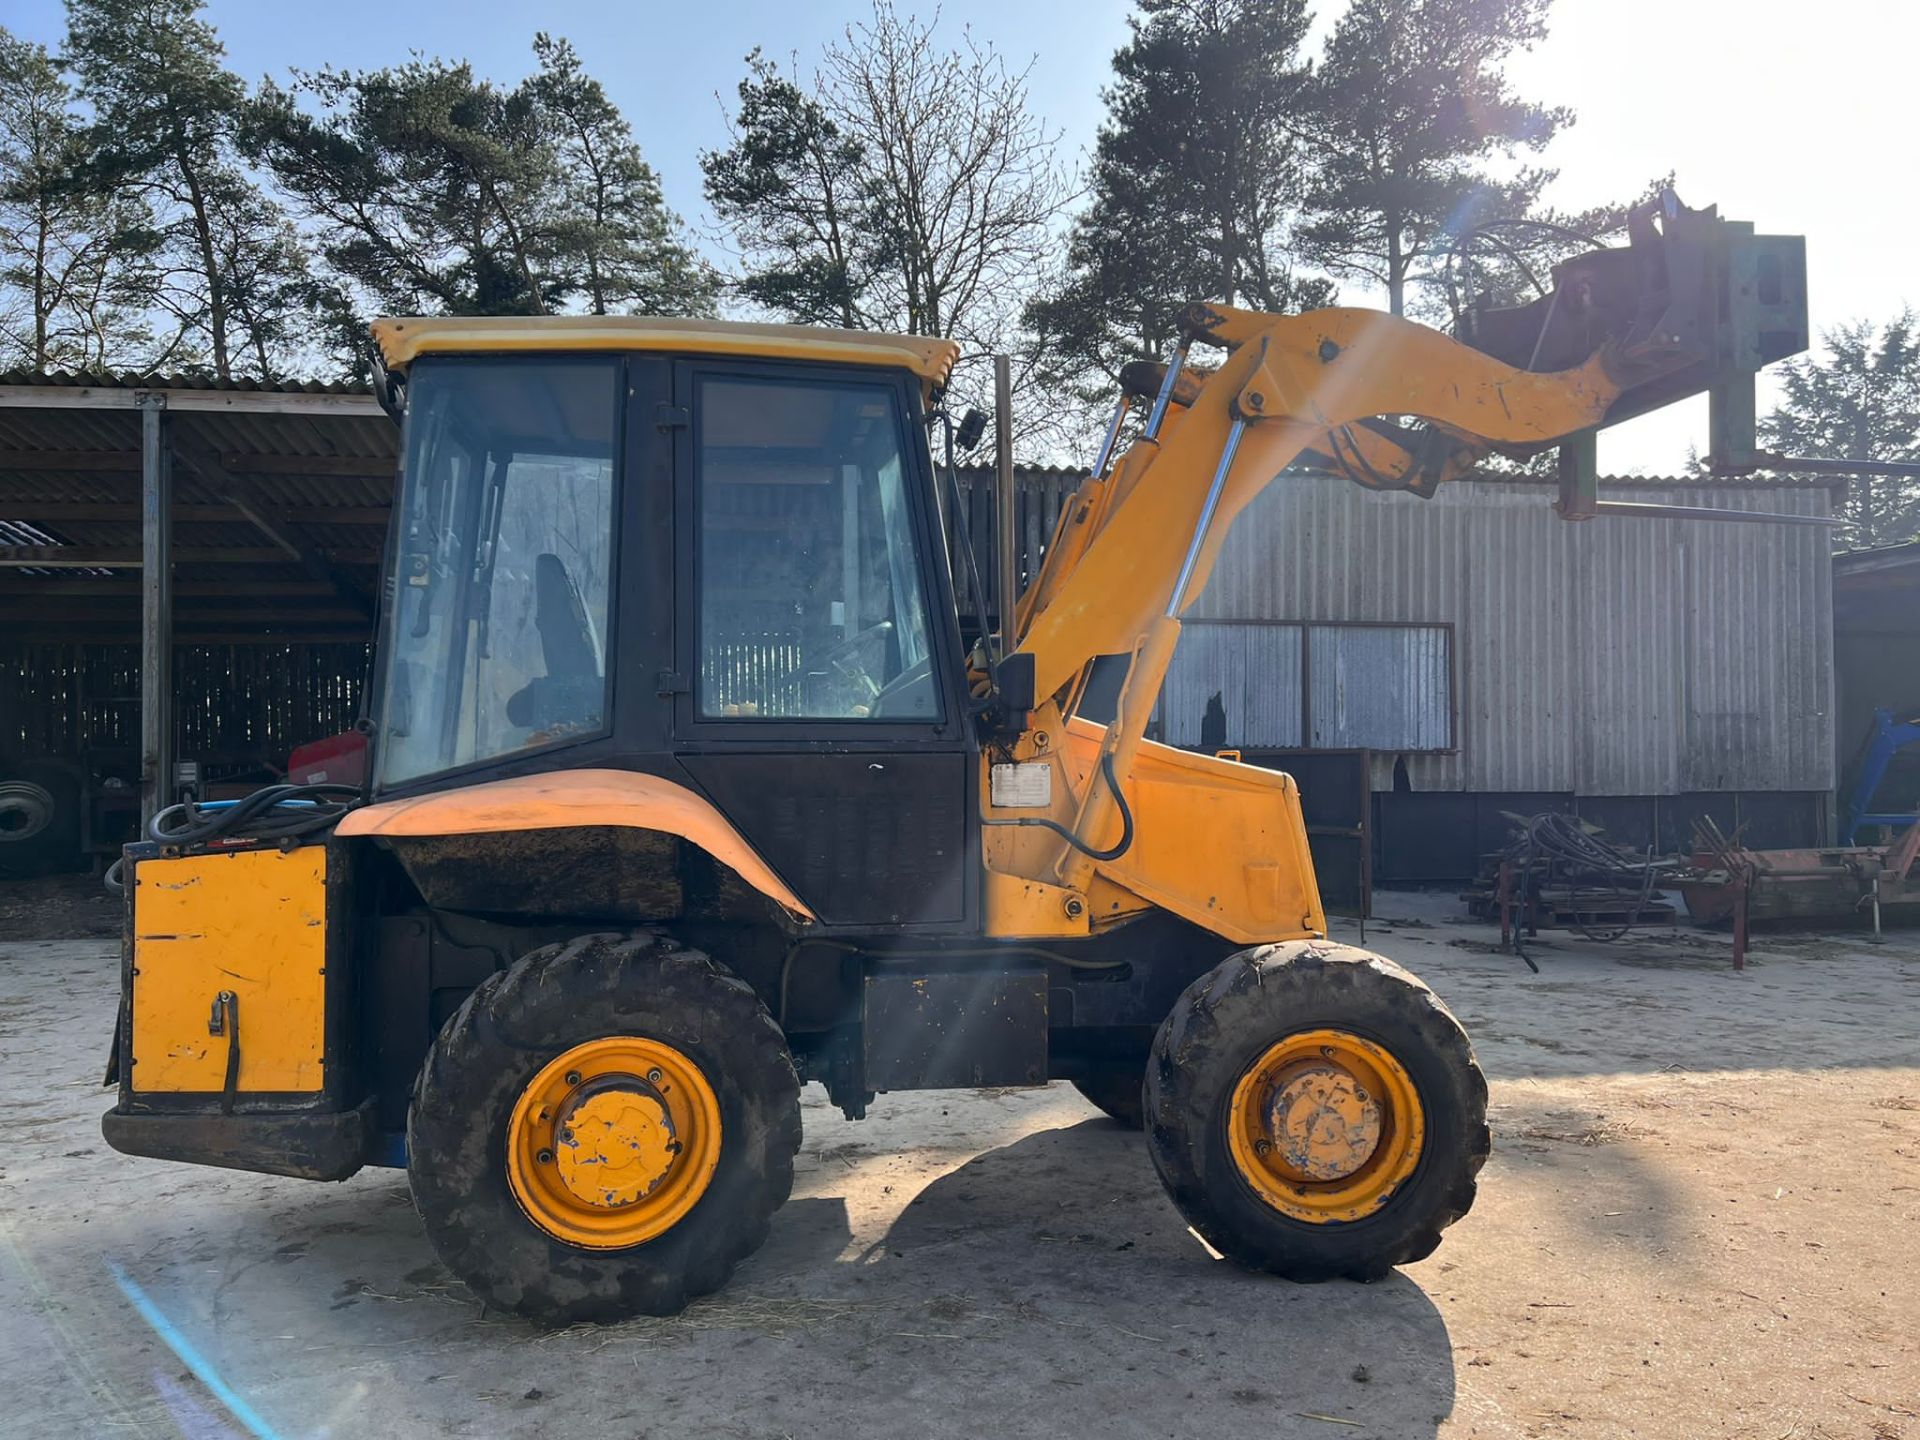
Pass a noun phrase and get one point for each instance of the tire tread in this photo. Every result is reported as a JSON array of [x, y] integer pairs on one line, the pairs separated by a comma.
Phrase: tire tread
[[1211, 1028], [519, 1017]]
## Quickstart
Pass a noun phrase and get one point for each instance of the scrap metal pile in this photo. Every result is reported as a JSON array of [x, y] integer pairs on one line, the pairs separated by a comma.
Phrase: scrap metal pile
[[1561, 872]]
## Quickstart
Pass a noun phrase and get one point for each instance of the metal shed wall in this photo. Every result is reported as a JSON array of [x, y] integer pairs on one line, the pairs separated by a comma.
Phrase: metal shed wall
[[1619, 656]]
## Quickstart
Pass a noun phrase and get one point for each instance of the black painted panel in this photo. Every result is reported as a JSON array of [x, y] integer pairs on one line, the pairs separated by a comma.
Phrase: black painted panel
[[956, 1030], [1679, 812], [865, 838], [1785, 819], [1630, 820], [1337, 808], [1440, 835]]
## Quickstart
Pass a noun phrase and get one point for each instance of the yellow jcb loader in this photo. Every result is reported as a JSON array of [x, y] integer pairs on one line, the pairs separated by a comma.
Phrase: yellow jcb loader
[[684, 791]]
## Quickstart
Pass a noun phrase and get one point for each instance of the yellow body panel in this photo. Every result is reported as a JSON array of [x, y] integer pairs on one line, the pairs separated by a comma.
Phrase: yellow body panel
[[252, 922], [1218, 843], [404, 339], [1032, 909]]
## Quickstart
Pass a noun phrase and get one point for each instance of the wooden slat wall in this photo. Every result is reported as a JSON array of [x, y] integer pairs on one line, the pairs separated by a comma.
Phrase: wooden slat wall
[[233, 703], [1039, 497]]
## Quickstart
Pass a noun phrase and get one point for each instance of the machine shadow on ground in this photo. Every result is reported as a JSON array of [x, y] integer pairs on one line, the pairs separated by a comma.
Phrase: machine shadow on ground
[[1061, 1254]]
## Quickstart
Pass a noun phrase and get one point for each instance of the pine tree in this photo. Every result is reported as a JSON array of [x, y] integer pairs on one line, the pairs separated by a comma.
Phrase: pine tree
[[434, 190], [167, 116], [616, 224], [1861, 401], [1404, 112], [1197, 180], [429, 189], [792, 189], [71, 253]]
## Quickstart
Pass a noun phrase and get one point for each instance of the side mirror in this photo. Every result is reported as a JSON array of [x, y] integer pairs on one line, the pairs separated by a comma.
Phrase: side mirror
[[388, 389], [973, 425]]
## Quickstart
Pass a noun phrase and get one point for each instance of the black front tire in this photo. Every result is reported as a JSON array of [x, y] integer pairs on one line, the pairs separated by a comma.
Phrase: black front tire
[[520, 1019], [1226, 1020]]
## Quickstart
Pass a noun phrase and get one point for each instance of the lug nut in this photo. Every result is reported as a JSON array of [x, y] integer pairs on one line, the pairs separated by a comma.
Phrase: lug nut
[[654, 1077], [1262, 1147], [545, 1157], [573, 1077]]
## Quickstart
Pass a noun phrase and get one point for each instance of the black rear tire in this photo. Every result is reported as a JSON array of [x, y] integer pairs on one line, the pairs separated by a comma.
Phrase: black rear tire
[[1224, 1023], [518, 1021], [1118, 1092]]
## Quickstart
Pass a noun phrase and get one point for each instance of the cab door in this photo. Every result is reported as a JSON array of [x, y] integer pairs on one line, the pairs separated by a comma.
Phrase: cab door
[[819, 673]]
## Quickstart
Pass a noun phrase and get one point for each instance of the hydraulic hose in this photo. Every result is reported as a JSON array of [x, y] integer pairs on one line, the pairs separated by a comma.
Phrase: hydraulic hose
[[274, 812], [1113, 852]]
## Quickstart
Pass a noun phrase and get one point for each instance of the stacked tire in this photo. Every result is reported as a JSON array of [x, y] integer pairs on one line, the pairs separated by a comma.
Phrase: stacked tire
[[39, 818]]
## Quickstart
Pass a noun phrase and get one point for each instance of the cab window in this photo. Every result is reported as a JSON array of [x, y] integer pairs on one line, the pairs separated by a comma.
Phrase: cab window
[[812, 591], [497, 629]]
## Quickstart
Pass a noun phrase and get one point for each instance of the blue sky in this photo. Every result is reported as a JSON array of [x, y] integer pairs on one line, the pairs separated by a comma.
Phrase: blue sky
[[1790, 115]]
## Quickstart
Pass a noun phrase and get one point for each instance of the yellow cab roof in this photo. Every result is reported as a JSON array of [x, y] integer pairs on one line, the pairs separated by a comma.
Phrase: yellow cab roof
[[404, 339]]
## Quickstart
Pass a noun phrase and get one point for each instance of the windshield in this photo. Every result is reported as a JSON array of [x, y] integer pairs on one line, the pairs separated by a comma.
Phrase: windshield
[[495, 641]]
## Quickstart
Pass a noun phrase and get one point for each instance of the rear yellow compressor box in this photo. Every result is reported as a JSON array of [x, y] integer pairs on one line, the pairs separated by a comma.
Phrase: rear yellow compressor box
[[228, 974]]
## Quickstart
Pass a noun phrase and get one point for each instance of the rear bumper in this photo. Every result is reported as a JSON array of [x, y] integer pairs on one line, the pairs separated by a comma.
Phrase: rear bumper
[[325, 1146]]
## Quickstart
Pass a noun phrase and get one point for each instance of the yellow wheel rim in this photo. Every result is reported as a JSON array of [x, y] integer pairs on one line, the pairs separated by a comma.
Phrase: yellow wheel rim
[[1325, 1126], [613, 1142]]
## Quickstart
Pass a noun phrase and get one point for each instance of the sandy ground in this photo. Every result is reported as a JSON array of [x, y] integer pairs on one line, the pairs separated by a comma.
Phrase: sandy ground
[[1702, 1219]]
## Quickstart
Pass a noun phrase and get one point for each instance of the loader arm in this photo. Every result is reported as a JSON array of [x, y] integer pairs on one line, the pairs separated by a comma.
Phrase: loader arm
[[1623, 331], [1133, 551], [1286, 382]]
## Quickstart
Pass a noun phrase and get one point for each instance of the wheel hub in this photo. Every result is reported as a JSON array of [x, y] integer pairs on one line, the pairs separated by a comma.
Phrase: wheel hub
[[1325, 1126], [615, 1142], [1323, 1122]]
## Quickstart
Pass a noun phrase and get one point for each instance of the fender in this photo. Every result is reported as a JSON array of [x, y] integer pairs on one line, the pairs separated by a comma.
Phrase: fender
[[564, 799]]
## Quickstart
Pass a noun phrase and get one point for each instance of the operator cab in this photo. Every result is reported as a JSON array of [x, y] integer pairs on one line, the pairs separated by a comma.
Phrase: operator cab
[[621, 552]]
